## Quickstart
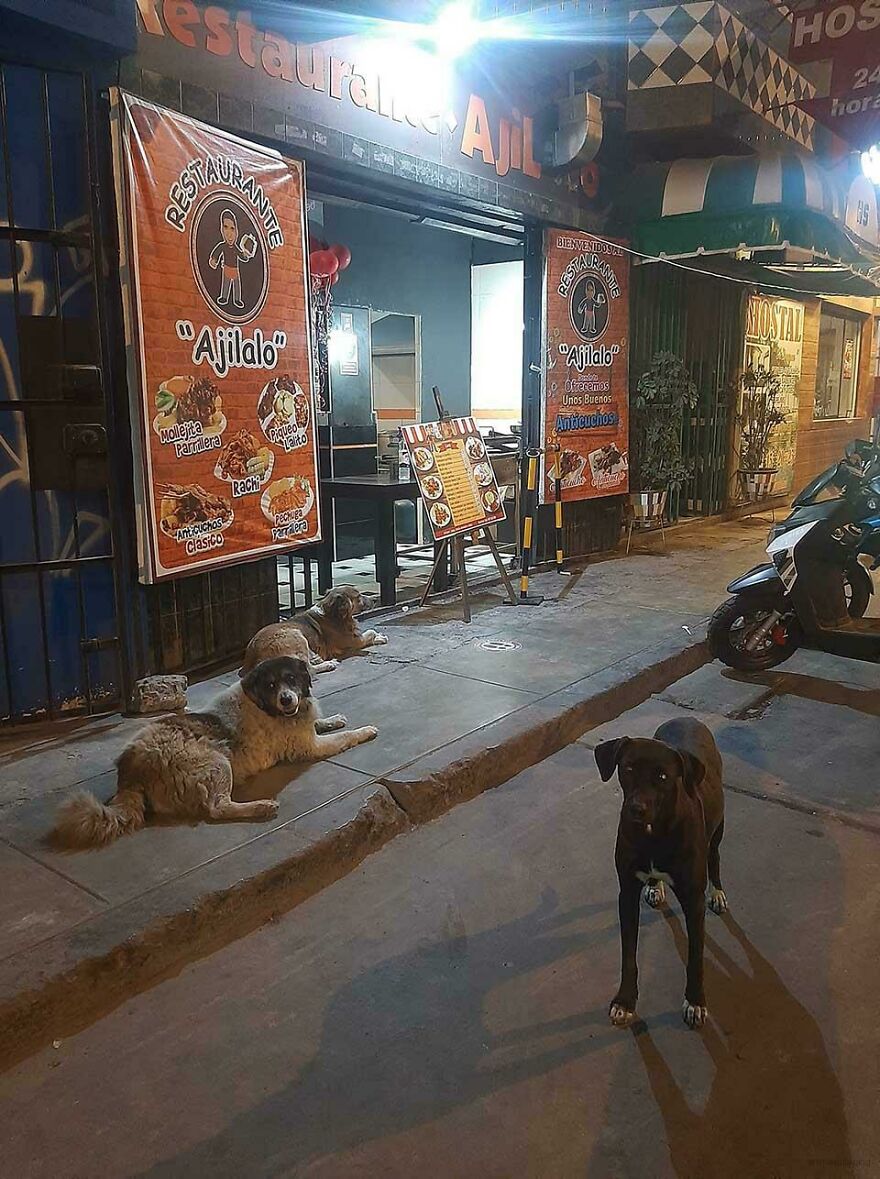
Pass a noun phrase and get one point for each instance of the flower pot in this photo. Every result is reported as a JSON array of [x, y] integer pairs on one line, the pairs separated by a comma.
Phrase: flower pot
[[757, 484]]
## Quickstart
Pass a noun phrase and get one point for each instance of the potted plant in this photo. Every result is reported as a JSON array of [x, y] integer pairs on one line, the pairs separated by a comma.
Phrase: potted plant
[[664, 393], [759, 414]]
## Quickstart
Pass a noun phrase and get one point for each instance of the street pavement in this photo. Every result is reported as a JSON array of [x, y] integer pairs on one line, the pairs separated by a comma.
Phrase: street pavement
[[442, 1011]]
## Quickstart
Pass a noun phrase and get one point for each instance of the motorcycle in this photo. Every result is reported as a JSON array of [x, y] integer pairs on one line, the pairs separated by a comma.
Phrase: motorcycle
[[815, 590]]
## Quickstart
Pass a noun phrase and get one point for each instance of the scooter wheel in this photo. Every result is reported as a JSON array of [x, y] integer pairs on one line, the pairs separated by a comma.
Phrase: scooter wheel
[[730, 627]]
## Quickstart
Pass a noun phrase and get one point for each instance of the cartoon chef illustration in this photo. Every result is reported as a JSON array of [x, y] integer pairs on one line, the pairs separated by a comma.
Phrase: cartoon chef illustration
[[588, 306], [228, 255]]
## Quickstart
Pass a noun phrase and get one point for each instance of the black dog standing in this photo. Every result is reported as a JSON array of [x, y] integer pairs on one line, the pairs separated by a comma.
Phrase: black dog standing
[[671, 824]]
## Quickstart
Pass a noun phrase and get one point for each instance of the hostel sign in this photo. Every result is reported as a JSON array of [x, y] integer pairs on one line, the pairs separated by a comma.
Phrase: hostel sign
[[218, 342], [774, 342], [585, 417], [848, 35]]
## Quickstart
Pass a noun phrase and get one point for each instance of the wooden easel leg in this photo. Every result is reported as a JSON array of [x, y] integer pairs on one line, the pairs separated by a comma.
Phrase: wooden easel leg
[[458, 548], [490, 541], [441, 555]]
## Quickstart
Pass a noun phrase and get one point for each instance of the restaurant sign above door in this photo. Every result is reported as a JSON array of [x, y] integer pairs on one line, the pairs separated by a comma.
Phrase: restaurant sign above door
[[214, 285], [377, 101], [585, 375]]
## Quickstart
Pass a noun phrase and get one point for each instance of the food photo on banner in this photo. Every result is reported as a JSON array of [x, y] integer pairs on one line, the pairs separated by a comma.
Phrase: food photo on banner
[[218, 342], [585, 418], [455, 476]]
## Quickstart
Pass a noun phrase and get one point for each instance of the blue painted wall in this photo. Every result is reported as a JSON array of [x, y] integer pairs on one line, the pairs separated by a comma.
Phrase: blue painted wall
[[414, 270]]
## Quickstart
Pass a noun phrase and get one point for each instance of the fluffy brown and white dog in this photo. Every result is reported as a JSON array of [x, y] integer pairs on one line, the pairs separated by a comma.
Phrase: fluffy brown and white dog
[[330, 629], [186, 766]]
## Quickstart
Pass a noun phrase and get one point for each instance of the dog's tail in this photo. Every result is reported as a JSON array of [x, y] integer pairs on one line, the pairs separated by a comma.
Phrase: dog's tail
[[85, 821]]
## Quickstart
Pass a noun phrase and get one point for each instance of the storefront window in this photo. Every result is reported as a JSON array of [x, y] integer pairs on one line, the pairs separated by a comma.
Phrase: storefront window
[[837, 376]]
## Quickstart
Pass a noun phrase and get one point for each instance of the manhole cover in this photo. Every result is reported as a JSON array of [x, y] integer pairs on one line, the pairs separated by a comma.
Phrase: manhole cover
[[499, 645]]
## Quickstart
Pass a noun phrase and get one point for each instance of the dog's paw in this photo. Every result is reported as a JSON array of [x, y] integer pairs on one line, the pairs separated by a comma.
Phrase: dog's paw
[[621, 1016], [717, 900], [693, 1015], [267, 808], [380, 640], [329, 665], [367, 733], [655, 894], [338, 721]]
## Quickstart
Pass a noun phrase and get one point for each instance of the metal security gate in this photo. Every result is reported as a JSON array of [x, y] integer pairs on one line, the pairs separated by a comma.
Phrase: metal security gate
[[702, 320], [59, 644]]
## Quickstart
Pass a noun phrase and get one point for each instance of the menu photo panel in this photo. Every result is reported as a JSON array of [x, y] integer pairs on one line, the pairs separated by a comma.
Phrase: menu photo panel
[[455, 476], [216, 302]]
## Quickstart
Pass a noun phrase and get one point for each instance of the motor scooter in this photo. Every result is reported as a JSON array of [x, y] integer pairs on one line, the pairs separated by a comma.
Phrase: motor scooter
[[816, 590]]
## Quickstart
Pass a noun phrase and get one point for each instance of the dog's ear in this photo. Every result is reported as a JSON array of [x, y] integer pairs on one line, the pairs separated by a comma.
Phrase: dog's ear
[[608, 756], [693, 771], [303, 678], [253, 685]]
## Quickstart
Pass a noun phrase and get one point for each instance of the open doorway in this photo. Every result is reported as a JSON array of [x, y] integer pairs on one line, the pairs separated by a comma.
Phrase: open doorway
[[397, 381], [423, 302], [497, 344], [396, 359]]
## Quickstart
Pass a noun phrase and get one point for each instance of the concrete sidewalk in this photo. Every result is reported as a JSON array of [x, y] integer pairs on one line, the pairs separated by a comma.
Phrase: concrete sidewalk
[[459, 709]]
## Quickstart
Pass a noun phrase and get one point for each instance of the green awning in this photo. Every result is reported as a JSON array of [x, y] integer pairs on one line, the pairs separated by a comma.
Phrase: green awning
[[730, 205], [778, 280]]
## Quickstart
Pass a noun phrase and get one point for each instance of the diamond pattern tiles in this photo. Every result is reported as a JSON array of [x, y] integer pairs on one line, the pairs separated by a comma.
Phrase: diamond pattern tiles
[[684, 44]]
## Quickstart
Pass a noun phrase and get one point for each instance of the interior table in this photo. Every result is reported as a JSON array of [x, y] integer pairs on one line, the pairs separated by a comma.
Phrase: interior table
[[385, 490]]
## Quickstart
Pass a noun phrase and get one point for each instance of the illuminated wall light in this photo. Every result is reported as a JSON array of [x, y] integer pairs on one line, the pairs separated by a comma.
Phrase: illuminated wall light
[[341, 346], [871, 163]]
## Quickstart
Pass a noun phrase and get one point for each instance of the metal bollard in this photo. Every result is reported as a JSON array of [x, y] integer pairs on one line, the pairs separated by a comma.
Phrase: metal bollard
[[557, 496], [529, 529]]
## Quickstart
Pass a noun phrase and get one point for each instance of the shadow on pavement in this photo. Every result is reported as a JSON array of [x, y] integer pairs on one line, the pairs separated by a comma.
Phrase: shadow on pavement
[[404, 1044], [814, 688], [775, 1108]]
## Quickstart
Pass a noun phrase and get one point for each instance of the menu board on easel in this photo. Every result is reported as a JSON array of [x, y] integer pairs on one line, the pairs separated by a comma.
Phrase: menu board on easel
[[455, 476]]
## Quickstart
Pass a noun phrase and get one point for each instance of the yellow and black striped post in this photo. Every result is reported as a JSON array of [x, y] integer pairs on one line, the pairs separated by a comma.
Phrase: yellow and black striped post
[[532, 455], [557, 498]]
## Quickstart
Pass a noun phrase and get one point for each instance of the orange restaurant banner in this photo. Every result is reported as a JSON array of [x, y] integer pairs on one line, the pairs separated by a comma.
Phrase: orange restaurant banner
[[586, 362], [218, 342]]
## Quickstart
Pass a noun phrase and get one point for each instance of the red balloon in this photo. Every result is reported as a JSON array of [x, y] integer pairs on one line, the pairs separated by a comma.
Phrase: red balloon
[[323, 264], [334, 279], [343, 256]]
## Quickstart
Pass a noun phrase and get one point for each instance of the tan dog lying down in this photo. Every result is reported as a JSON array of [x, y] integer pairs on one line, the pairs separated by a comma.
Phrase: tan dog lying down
[[329, 630], [186, 766]]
